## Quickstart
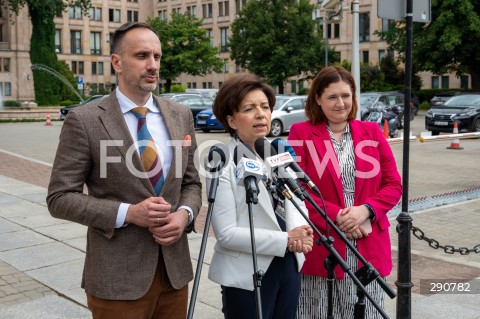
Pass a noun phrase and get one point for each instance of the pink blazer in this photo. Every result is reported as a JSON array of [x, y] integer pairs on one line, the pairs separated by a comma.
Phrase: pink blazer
[[377, 183]]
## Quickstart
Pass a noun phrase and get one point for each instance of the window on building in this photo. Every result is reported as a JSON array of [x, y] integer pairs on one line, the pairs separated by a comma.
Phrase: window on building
[[387, 24], [225, 66], [204, 85], [239, 4], [464, 82], [77, 67], [209, 35], [75, 12], [6, 64], [95, 43], [192, 11], [223, 9], [75, 42], [227, 8], [1, 89], [445, 82], [8, 89], [110, 40], [435, 82], [163, 14], [114, 15], [333, 30], [95, 14], [207, 10], [177, 10], [58, 41], [223, 39], [220, 8], [1, 32], [364, 23], [132, 16], [381, 55], [97, 68], [293, 84], [365, 57]]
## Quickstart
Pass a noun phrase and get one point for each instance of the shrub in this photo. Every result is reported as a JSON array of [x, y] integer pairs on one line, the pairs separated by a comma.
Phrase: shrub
[[177, 88], [68, 103], [11, 103]]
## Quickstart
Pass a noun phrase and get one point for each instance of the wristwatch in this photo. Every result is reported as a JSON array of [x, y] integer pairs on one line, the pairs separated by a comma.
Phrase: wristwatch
[[191, 217], [371, 212]]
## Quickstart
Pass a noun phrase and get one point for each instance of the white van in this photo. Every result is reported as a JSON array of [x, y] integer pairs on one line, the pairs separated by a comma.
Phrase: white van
[[210, 93]]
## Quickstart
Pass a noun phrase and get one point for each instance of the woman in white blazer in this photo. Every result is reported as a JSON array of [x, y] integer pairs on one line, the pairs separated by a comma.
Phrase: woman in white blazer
[[243, 105]]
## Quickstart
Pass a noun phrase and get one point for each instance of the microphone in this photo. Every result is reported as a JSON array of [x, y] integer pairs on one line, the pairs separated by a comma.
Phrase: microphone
[[278, 162], [280, 145], [247, 172], [214, 163], [216, 158]]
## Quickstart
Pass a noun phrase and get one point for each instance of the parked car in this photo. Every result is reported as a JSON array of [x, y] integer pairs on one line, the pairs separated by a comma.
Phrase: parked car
[[194, 102], [414, 100], [210, 93], [369, 100], [64, 111], [461, 108], [287, 111], [206, 121], [442, 97]]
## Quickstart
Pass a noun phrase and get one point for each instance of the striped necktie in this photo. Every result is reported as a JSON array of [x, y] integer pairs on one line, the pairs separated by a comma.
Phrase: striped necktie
[[148, 151]]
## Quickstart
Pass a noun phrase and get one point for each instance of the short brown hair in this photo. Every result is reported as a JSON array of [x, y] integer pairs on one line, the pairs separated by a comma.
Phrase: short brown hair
[[119, 34], [233, 91], [325, 77]]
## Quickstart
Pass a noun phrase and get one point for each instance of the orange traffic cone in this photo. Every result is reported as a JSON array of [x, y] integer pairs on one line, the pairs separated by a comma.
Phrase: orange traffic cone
[[386, 134], [48, 122], [455, 145]]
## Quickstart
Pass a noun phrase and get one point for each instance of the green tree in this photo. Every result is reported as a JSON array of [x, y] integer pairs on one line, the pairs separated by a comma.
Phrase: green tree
[[277, 39], [185, 48], [449, 43], [42, 43], [66, 93]]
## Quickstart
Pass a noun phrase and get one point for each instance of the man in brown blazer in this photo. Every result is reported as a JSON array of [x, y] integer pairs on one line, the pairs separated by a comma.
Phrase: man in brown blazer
[[137, 258]]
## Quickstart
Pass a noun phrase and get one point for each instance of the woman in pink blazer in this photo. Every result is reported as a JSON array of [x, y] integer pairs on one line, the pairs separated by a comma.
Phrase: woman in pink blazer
[[353, 166]]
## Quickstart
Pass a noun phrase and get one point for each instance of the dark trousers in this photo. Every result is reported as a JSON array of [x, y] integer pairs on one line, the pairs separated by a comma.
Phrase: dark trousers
[[279, 293]]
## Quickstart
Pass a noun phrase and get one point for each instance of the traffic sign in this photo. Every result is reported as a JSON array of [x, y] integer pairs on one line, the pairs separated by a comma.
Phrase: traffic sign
[[396, 10]]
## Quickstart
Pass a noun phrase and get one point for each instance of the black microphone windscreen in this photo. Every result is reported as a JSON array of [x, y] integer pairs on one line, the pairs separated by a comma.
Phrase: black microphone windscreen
[[264, 148], [243, 150], [216, 157]]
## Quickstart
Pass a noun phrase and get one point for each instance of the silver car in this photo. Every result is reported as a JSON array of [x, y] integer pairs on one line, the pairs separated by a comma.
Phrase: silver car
[[288, 110]]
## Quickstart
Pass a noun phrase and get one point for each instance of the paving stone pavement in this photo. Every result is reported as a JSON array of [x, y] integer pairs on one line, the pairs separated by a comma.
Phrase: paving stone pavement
[[41, 258]]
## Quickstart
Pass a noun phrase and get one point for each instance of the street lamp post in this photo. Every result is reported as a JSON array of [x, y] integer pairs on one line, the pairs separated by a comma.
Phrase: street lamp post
[[356, 49], [316, 16]]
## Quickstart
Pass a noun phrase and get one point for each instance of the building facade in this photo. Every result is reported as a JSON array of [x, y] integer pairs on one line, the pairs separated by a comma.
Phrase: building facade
[[83, 42]]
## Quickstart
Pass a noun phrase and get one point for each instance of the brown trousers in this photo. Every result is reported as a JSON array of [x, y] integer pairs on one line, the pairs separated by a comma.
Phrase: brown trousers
[[161, 301]]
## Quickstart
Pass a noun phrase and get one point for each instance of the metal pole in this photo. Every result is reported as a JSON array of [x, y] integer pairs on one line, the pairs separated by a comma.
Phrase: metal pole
[[356, 49], [325, 26], [404, 275]]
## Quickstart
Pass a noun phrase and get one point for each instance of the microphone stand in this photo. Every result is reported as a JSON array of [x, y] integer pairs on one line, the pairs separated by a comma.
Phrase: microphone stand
[[211, 202], [335, 258], [257, 274]]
